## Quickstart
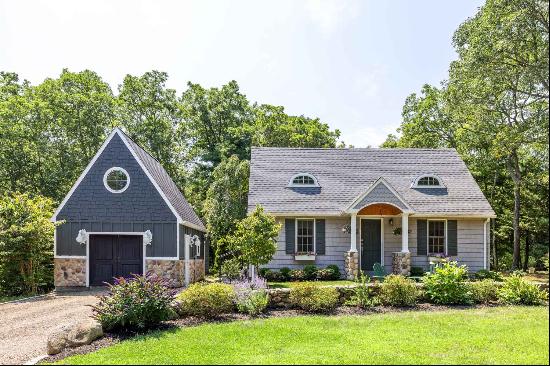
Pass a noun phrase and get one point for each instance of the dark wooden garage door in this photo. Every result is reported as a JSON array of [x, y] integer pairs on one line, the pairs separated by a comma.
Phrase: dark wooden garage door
[[114, 256]]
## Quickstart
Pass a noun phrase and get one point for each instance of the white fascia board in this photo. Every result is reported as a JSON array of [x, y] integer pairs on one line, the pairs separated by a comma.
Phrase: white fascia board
[[84, 173], [193, 226]]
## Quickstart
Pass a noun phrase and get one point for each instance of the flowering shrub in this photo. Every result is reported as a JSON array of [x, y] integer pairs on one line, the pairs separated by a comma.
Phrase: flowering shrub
[[398, 291], [206, 300], [447, 285], [297, 275], [484, 292], [516, 291], [250, 296], [136, 303], [314, 299]]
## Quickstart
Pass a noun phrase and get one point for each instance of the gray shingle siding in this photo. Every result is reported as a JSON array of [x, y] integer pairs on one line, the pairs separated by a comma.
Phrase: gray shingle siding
[[344, 174], [167, 185], [380, 193], [469, 244], [91, 201], [139, 208]]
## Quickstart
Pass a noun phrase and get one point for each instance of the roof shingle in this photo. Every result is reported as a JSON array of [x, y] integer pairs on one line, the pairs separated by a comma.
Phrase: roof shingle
[[344, 174]]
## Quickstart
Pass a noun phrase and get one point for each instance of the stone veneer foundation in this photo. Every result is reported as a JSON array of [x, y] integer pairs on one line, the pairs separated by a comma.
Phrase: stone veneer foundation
[[69, 272], [171, 270], [351, 264], [196, 270], [401, 263]]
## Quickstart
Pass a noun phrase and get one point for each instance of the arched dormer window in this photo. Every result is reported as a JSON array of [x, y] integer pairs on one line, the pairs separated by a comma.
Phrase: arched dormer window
[[428, 181], [303, 180]]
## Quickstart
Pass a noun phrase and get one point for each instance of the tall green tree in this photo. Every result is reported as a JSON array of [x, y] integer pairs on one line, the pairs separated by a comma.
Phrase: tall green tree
[[226, 200], [151, 114], [493, 109]]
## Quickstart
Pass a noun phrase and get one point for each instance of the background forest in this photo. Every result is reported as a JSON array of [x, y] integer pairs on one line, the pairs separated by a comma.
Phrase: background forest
[[493, 109]]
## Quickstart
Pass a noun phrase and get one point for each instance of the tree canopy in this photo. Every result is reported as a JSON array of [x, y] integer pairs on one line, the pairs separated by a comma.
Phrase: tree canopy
[[494, 110]]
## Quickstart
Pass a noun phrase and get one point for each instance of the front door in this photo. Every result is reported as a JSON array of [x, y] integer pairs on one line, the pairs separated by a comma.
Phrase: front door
[[114, 256], [371, 243]]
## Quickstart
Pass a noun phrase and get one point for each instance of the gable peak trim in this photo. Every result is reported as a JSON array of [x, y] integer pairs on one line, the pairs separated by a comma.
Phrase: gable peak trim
[[116, 131], [376, 183]]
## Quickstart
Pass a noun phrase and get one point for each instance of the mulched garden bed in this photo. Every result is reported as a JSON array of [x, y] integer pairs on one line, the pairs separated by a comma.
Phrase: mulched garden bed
[[110, 339]]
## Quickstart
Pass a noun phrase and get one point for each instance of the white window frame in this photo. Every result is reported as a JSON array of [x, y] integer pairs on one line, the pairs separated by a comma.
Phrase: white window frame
[[314, 233], [292, 184], [415, 182], [445, 250], [110, 170]]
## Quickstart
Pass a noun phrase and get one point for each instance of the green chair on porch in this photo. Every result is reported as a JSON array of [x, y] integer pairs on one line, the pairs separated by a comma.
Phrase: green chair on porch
[[379, 272]]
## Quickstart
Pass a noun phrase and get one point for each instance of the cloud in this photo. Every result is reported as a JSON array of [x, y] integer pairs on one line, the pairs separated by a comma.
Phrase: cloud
[[328, 15]]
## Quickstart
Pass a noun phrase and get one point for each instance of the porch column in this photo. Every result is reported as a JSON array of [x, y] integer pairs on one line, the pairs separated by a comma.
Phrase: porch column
[[405, 232], [353, 232]]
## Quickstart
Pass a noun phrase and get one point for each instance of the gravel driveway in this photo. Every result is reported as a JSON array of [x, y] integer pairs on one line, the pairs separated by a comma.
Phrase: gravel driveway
[[25, 325]]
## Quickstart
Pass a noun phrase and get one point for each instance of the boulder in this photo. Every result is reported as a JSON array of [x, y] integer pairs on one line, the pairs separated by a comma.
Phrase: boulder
[[84, 333], [57, 340], [73, 335]]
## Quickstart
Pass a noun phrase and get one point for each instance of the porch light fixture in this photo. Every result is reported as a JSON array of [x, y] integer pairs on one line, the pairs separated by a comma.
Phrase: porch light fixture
[[82, 236], [391, 222], [147, 237], [346, 229]]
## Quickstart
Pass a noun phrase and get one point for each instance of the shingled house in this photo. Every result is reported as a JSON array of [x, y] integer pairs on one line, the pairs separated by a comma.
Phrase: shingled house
[[125, 215], [357, 207]]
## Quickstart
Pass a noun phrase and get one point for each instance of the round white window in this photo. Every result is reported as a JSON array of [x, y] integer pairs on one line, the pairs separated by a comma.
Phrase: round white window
[[116, 180]]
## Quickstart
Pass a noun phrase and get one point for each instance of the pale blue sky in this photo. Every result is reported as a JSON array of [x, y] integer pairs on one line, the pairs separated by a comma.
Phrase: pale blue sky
[[351, 63]]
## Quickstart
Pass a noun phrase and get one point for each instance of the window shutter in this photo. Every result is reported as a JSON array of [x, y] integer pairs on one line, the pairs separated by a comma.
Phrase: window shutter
[[290, 235], [320, 236], [452, 241], [422, 237]]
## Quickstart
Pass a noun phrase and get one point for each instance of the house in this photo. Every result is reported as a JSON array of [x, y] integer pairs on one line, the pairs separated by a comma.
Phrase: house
[[401, 208], [124, 215]]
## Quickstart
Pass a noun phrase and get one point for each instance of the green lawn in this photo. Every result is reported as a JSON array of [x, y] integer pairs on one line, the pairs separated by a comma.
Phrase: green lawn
[[503, 335], [318, 283]]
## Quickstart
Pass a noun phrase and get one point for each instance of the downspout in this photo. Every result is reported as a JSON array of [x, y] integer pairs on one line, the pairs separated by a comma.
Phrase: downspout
[[186, 258], [485, 242]]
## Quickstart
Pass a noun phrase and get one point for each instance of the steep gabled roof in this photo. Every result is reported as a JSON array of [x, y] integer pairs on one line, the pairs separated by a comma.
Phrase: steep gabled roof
[[346, 174], [158, 176]]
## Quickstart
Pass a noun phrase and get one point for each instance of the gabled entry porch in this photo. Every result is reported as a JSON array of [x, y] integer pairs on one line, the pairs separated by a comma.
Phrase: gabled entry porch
[[370, 211]]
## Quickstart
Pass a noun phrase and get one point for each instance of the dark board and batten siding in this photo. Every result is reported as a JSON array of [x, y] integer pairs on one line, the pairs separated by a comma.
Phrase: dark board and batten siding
[[163, 244], [139, 208], [184, 230]]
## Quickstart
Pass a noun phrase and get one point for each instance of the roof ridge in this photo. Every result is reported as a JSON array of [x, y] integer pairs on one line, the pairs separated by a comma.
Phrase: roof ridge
[[354, 148]]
